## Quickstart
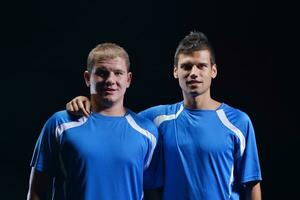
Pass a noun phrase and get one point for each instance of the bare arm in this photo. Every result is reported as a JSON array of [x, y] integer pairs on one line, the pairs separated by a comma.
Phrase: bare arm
[[38, 185], [80, 105], [253, 191]]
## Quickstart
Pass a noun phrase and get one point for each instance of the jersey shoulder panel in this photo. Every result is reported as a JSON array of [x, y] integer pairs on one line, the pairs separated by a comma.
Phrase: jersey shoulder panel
[[60, 121], [160, 113], [61, 117], [143, 122], [237, 117], [45, 153]]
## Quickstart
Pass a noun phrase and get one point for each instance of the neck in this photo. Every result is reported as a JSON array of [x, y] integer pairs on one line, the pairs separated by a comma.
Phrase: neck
[[110, 109], [202, 101]]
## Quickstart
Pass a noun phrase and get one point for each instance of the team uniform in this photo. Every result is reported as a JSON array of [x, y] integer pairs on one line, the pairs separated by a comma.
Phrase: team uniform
[[209, 154], [99, 157]]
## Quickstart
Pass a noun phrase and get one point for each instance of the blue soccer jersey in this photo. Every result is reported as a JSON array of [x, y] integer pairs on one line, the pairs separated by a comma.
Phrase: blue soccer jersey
[[100, 157], [209, 154]]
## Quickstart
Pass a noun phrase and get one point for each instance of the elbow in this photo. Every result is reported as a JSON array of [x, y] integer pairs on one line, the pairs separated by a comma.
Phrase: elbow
[[32, 196]]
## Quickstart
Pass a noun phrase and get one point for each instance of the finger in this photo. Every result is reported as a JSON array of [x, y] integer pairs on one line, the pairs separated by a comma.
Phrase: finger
[[69, 107], [75, 107], [87, 105], [82, 108]]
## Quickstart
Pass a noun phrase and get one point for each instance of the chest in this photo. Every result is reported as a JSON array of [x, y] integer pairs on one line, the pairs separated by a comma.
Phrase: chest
[[204, 135], [117, 144]]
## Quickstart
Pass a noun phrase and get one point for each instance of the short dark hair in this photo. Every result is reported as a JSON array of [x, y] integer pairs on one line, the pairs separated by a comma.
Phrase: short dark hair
[[194, 41], [106, 51]]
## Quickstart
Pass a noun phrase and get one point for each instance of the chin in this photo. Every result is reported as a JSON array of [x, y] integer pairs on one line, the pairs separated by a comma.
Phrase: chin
[[194, 93], [108, 101]]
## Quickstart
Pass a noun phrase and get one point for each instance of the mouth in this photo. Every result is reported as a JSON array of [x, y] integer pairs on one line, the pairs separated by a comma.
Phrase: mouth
[[109, 90], [193, 82]]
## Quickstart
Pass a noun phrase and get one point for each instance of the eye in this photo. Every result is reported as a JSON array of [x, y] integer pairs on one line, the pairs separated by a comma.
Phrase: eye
[[186, 66], [201, 66], [119, 73], [101, 72]]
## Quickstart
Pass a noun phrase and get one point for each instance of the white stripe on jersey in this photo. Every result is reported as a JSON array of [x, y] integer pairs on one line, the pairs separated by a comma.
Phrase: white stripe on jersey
[[230, 182], [161, 118], [60, 129], [65, 126], [237, 131], [146, 133]]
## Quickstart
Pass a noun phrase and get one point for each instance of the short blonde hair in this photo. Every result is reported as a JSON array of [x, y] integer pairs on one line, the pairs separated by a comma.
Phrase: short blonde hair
[[106, 51]]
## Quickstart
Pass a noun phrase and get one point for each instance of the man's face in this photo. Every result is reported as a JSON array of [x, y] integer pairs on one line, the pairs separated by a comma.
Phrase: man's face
[[194, 72], [109, 80]]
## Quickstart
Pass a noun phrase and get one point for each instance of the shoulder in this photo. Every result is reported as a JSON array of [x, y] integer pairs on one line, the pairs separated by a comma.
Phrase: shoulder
[[237, 117], [61, 117], [153, 112], [141, 120], [235, 114]]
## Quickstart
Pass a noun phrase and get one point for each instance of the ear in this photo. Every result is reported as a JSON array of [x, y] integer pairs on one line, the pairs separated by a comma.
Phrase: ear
[[214, 71], [87, 77], [175, 70], [129, 77]]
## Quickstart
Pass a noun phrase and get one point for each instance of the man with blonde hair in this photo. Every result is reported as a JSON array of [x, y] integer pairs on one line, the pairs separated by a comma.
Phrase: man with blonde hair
[[104, 156]]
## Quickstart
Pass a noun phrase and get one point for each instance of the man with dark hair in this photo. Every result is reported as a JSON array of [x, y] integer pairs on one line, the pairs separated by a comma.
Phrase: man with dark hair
[[104, 156], [209, 147]]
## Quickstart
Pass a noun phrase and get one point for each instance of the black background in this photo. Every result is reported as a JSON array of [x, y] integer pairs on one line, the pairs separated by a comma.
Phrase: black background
[[44, 45]]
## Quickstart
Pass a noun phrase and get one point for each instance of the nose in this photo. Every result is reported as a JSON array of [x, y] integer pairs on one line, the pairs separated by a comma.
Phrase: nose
[[194, 72], [110, 80]]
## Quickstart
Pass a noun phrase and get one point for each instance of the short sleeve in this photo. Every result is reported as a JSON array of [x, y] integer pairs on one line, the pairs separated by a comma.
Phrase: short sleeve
[[248, 166], [45, 155], [153, 174]]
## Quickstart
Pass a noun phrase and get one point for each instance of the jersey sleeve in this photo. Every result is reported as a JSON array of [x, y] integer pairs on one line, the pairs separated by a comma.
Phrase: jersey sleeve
[[248, 162], [148, 113], [153, 174], [45, 156]]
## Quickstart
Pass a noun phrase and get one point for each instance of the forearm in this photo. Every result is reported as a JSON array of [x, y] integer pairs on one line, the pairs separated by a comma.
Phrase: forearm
[[253, 192]]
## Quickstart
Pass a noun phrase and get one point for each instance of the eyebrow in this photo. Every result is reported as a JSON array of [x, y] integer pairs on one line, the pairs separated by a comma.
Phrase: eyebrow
[[119, 71], [192, 63], [103, 68]]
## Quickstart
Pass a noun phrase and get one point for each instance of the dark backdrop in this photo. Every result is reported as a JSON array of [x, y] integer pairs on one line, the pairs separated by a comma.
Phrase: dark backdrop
[[44, 45]]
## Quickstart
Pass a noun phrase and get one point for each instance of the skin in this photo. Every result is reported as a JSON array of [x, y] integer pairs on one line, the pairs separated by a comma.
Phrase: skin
[[195, 73], [108, 82], [253, 191]]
